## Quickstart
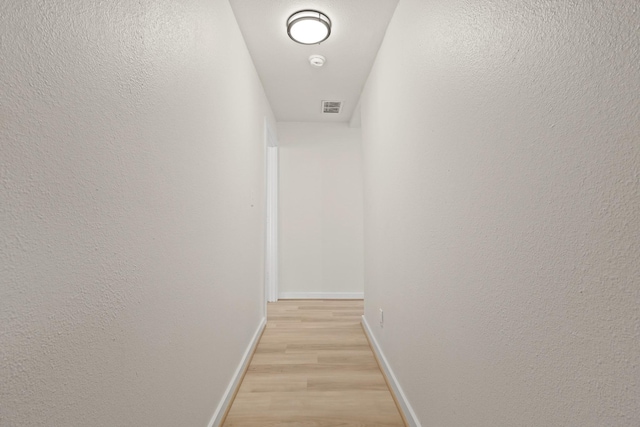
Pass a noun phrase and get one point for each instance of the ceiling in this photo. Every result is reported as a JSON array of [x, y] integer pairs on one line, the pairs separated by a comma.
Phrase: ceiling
[[295, 89]]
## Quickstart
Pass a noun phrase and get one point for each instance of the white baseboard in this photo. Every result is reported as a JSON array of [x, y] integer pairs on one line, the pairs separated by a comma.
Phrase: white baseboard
[[321, 295], [405, 406], [225, 402]]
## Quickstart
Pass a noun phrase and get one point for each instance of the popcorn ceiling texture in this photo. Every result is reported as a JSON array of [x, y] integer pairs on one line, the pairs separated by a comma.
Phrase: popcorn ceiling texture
[[502, 210], [131, 214]]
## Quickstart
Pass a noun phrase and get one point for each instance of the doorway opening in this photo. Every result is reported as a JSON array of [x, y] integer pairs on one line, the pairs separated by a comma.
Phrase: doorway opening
[[271, 237]]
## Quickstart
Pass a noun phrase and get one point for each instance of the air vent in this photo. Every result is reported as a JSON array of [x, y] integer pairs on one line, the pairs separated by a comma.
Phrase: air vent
[[331, 107]]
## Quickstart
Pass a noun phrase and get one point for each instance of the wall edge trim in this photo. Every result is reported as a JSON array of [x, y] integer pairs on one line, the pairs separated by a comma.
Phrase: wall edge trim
[[234, 385], [407, 411], [321, 295]]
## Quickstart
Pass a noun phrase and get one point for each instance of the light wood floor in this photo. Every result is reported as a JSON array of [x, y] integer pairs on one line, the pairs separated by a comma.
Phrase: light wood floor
[[313, 367]]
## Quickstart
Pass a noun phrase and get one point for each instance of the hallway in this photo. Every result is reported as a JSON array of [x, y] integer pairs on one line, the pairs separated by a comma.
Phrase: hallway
[[314, 366], [471, 169]]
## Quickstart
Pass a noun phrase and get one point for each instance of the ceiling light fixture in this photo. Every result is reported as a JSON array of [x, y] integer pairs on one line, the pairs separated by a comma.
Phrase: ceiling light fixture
[[309, 27]]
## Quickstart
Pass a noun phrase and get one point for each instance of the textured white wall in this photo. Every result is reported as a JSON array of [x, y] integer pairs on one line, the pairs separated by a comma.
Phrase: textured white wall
[[131, 214], [321, 220], [502, 210]]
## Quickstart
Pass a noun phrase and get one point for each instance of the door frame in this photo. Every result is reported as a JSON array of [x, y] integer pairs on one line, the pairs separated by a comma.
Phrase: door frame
[[271, 220]]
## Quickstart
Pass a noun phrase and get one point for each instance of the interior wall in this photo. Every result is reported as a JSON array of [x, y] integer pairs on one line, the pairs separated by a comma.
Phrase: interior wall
[[131, 214], [321, 219], [502, 197]]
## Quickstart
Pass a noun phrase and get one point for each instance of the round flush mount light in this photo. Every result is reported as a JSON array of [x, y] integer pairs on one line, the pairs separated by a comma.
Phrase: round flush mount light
[[317, 60], [309, 27]]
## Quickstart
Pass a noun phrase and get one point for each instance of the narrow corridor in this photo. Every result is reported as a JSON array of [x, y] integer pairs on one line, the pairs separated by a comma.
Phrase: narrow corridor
[[314, 366]]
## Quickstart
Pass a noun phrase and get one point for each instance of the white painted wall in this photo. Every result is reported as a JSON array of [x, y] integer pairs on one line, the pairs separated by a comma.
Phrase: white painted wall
[[502, 210], [131, 214], [321, 246]]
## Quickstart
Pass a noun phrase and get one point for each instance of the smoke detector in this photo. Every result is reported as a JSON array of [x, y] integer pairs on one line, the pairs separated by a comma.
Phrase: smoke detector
[[317, 60], [331, 107]]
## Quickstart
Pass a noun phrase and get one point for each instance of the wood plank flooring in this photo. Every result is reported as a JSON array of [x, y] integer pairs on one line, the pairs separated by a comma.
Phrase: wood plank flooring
[[313, 367]]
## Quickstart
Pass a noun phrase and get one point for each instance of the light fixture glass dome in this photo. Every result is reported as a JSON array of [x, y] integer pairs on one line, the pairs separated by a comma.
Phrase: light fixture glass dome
[[309, 27]]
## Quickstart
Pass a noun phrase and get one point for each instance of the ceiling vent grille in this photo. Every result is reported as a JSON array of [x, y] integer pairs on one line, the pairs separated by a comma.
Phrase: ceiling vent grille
[[331, 107]]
